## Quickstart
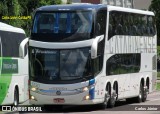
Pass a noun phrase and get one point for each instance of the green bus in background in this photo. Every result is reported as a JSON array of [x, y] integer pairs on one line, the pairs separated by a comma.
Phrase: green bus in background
[[13, 65]]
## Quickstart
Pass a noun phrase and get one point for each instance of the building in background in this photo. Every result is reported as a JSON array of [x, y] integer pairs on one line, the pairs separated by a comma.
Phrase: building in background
[[137, 4], [142, 4], [121, 3]]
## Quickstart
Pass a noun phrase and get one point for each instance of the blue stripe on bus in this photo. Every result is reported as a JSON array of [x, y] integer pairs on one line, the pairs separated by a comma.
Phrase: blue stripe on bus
[[91, 91], [91, 82]]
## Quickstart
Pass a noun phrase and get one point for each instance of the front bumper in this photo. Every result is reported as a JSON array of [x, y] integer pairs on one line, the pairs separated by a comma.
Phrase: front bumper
[[77, 99]]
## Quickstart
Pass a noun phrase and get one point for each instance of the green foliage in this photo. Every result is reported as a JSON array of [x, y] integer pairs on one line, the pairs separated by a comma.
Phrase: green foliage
[[56, 2], [69, 1], [158, 51], [49, 2], [158, 86], [22, 8], [155, 7]]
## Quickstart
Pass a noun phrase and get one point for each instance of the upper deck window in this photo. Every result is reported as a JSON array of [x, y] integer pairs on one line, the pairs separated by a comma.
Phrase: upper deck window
[[63, 22]]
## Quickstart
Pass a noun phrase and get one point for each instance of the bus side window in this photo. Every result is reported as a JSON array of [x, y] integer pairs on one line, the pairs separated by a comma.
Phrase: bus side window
[[138, 24], [111, 23], [134, 25], [150, 26], [124, 24], [144, 25], [130, 21], [118, 29], [154, 25], [123, 64], [100, 28]]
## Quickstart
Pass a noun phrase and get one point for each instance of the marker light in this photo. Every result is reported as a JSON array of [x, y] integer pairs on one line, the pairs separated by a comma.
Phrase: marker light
[[85, 89], [33, 88]]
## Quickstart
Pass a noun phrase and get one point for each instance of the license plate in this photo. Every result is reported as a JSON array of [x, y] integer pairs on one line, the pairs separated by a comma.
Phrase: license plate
[[59, 100]]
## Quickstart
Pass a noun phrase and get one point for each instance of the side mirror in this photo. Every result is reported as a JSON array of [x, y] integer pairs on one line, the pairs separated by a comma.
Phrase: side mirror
[[94, 46], [22, 48]]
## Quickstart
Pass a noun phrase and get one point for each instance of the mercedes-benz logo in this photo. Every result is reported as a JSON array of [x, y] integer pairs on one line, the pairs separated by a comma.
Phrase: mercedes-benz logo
[[58, 92]]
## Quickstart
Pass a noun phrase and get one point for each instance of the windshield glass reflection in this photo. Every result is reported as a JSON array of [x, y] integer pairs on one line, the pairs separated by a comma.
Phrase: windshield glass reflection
[[63, 22], [54, 65]]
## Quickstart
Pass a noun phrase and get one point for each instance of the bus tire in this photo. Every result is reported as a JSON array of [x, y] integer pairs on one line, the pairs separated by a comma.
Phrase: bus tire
[[140, 96], [144, 96], [113, 96], [112, 101], [16, 97], [104, 104]]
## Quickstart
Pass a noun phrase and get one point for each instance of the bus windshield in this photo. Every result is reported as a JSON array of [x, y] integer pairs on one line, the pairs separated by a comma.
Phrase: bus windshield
[[50, 66], [62, 26]]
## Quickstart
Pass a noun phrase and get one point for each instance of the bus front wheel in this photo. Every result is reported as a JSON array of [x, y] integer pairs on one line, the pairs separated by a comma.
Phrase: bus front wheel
[[106, 97], [112, 100], [104, 104]]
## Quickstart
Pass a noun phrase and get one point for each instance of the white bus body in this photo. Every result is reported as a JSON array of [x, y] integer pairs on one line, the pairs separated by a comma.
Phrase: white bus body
[[121, 60], [13, 66]]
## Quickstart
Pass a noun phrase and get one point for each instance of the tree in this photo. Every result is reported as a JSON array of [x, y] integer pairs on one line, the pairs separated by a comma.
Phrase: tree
[[11, 8], [69, 1], [3, 9], [155, 7]]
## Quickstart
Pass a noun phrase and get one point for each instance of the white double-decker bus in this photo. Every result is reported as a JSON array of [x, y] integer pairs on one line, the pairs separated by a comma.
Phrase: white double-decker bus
[[13, 65], [91, 54]]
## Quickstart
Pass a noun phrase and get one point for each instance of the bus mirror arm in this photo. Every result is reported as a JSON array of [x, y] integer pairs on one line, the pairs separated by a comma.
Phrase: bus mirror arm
[[22, 48], [94, 46]]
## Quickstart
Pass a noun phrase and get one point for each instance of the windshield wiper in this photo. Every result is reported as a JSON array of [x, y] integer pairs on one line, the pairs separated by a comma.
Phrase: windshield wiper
[[85, 77]]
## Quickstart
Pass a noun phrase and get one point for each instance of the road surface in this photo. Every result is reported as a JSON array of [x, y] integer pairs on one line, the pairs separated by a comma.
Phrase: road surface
[[151, 106]]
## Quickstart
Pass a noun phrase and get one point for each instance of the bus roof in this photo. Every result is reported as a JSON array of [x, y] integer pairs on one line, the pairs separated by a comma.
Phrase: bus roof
[[130, 10], [87, 6], [79, 6], [6, 27]]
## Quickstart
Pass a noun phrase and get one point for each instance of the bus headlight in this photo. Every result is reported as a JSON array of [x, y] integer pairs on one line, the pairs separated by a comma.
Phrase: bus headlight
[[87, 97], [87, 88], [33, 98]]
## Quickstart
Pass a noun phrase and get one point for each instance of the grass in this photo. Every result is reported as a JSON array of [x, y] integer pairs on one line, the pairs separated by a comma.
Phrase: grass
[[158, 86]]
